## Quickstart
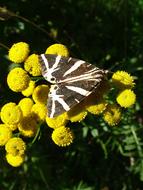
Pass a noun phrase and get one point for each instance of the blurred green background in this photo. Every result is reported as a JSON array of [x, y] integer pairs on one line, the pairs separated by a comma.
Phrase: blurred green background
[[110, 34]]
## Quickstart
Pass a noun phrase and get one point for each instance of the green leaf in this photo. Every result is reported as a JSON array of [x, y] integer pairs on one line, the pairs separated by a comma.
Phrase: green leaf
[[94, 132]]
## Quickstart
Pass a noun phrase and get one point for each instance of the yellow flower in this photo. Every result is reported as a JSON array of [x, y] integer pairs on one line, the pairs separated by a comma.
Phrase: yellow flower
[[15, 146], [28, 126], [112, 115], [19, 52], [62, 136], [77, 113], [97, 108], [12, 127], [15, 161], [11, 113], [18, 80], [126, 98], [5, 134], [40, 111], [32, 65], [40, 94], [25, 105], [58, 121], [29, 90], [123, 79], [58, 49]]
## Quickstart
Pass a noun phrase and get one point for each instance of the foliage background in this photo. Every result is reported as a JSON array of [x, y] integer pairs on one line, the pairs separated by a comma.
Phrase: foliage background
[[110, 34]]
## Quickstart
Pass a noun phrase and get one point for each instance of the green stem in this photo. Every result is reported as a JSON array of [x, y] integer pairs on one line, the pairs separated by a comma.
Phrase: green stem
[[136, 140], [44, 179], [4, 46], [37, 134]]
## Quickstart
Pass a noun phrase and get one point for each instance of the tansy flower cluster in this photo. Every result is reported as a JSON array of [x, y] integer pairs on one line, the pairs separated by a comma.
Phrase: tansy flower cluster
[[124, 82], [23, 118]]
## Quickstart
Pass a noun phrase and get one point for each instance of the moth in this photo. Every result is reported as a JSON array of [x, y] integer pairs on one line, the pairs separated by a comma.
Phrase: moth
[[72, 80]]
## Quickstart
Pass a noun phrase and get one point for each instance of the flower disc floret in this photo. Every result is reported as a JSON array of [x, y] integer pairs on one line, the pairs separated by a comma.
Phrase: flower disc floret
[[15, 146], [112, 115], [62, 136], [40, 111], [5, 134], [97, 108], [25, 105], [77, 113], [40, 94], [32, 65], [18, 80], [19, 52], [15, 161], [126, 98], [29, 90], [11, 113], [58, 121], [12, 127], [123, 79], [28, 125], [58, 49]]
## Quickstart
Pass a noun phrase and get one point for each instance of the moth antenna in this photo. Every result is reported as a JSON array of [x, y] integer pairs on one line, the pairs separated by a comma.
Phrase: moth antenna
[[107, 71]]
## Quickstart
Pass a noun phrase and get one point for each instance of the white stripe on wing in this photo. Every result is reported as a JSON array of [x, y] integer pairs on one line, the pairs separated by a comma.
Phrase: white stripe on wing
[[78, 90], [45, 61], [74, 67], [58, 58], [59, 99]]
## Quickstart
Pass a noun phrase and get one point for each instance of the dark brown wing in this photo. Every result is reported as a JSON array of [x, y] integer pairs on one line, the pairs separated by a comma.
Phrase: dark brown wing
[[73, 80]]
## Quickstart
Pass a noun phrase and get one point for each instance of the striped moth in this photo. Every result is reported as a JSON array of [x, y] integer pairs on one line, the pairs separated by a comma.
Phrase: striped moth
[[72, 80]]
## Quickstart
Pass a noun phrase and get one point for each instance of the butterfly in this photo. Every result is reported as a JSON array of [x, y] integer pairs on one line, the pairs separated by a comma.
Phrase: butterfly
[[72, 80]]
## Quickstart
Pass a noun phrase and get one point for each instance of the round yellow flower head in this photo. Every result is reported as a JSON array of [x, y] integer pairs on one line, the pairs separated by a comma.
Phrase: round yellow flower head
[[5, 134], [40, 94], [11, 113], [29, 90], [40, 111], [28, 126], [18, 80], [97, 108], [15, 161], [19, 52], [62, 136], [25, 105], [58, 121], [32, 65], [126, 98], [58, 49], [77, 113], [123, 79], [112, 115], [15, 146]]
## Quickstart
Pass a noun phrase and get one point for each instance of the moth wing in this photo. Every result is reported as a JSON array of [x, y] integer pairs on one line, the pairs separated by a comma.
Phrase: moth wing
[[52, 66], [64, 97], [56, 68], [73, 80]]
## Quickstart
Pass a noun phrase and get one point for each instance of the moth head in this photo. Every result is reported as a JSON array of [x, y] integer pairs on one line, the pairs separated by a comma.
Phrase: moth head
[[52, 80], [49, 78]]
